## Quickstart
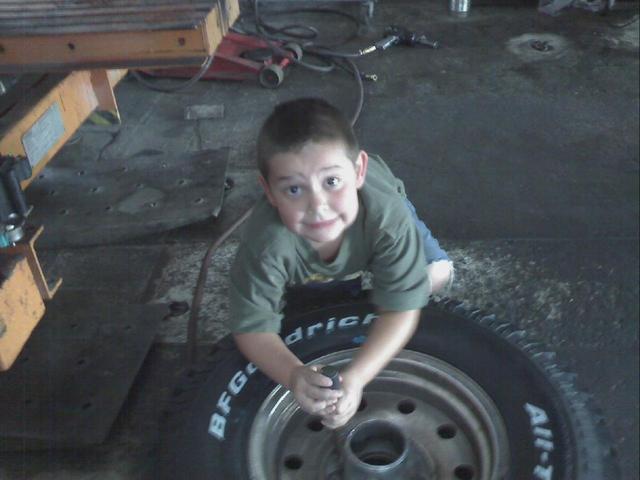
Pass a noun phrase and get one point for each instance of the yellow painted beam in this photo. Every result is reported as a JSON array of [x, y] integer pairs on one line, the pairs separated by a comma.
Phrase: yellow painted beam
[[39, 123], [21, 307]]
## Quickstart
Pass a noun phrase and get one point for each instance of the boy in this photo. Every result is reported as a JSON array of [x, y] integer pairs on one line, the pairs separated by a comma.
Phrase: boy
[[320, 221]]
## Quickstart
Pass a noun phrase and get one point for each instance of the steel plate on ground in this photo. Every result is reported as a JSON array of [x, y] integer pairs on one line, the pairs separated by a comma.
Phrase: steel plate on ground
[[125, 272], [88, 203], [70, 381]]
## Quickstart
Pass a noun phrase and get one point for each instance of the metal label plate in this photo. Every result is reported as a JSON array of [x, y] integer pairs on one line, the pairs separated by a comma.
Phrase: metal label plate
[[44, 134]]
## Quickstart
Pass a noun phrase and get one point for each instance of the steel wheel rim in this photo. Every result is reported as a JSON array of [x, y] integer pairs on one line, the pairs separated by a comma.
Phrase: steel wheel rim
[[456, 430]]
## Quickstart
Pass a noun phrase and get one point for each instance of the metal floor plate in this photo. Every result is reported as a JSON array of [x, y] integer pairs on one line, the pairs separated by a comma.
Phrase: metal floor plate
[[124, 272], [88, 203], [68, 384]]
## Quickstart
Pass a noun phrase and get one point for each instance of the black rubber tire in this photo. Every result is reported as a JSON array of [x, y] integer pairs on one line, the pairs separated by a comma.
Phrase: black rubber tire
[[271, 76], [295, 49], [512, 370]]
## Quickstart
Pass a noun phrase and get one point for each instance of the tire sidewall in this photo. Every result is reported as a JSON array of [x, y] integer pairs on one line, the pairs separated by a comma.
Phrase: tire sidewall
[[210, 438]]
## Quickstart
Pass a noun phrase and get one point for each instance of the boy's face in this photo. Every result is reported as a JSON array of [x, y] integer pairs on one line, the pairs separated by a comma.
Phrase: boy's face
[[315, 190]]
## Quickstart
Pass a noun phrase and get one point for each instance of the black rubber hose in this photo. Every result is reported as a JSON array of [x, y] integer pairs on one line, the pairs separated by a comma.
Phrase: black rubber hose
[[192, 326], [177, 88]]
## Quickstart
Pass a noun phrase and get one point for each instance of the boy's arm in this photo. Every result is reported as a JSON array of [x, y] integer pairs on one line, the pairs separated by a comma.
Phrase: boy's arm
[[390, 333], [270, 354]]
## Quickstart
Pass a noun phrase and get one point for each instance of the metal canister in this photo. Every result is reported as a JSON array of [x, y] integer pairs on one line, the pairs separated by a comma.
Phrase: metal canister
[[459, 7]]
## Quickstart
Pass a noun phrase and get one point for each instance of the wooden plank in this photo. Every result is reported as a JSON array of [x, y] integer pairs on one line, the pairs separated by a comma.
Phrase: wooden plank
[[45, 53], [56, 28], [114, 6], [87, 17], [19, 19], [135, 40], [159, 20], [79, 12], [42, 4], [124, 12]]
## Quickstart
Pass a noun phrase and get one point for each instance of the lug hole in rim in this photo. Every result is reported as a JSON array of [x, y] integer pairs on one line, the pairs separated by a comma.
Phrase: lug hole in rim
[[293, 462], [464, 472], [447, 431], [315, 425], [406, 407]]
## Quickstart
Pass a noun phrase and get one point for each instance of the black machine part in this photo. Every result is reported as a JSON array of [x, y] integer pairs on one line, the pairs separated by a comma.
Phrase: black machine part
[[13, 203], [334, 374], [396, 35]]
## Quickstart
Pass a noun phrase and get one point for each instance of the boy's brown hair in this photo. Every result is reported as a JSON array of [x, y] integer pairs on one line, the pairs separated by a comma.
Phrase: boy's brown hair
[[293, 124]]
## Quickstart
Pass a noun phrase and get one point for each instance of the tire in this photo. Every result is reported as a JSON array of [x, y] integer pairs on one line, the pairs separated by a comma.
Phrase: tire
[[207, 428], [271, 76], [295, 49]]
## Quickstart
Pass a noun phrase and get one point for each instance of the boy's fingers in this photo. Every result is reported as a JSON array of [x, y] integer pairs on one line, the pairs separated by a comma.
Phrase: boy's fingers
[[345, 409], [317, 407], [321, 380], [316, 378], [320, 393], [329, 410], [340, 419], [342, 407], [334, 419]]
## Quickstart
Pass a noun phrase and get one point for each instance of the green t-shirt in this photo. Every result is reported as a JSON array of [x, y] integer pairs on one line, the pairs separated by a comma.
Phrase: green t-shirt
[[383, 240]]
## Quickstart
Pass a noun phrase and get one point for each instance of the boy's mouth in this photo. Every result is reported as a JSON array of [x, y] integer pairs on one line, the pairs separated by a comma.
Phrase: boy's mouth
[[321, 224]]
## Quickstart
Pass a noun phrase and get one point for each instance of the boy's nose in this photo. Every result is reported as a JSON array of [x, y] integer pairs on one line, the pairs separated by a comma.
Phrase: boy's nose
[[317, 201]]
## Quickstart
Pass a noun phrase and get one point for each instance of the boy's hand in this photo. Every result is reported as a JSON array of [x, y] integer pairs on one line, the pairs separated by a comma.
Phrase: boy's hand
[[309, 387], [347, 405]]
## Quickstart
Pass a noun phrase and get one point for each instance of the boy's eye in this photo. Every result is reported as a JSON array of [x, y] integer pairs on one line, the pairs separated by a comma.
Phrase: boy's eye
[[333, 182], [293, 190]]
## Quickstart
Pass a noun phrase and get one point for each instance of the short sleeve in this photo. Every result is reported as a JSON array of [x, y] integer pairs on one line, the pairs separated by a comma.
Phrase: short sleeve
[[256, 290], [400, 281]]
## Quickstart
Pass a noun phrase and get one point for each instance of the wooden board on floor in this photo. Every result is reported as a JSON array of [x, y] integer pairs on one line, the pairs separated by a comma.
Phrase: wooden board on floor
[[45, 36]]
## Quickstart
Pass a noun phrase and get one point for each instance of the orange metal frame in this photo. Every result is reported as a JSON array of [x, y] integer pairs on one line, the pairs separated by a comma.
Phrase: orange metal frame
[[76, 96], [46, 37], [21, 307]]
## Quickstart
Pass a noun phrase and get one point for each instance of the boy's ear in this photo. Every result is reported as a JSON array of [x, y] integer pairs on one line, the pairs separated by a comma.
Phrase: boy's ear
[[361, 168], [267, 191]]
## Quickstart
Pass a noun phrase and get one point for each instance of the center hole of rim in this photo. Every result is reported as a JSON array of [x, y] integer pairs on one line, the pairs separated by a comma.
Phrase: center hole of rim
[[377, 443]]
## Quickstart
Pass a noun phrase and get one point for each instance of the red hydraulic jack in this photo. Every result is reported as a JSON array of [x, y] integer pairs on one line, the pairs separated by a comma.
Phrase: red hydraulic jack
[[242, 57]]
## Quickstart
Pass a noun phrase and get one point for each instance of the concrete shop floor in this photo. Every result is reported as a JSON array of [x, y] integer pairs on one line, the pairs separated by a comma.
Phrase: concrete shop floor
[[525, 165]]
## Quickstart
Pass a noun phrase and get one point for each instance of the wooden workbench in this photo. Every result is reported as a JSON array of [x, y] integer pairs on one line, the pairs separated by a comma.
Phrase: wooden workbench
[[55, 35]]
